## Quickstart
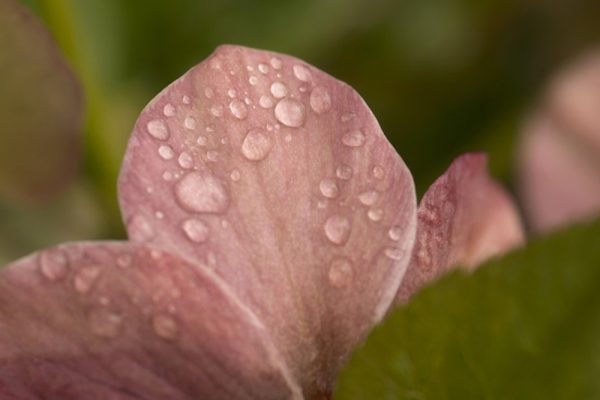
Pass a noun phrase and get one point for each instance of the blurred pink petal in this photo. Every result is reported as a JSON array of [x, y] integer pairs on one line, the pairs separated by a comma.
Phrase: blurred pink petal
[[278, 178], [464, 218], [123, 321]]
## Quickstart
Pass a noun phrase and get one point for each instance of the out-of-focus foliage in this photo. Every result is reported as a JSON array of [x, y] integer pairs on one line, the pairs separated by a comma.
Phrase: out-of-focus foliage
[[526, 326]]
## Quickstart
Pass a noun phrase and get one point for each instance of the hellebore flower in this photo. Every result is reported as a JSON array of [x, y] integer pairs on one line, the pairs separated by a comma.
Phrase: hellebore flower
[[270, 225]]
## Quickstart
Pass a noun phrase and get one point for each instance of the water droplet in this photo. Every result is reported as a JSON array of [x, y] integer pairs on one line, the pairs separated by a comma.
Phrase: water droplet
[[337, 229], [167, 176], [209, 93], [189, 123], [217, 110], [248, 100], [86, 278], [256, 145], [202, 192], [249, 68], [158, 129], [202, 140], [354, 138], [212, 155], [185, 160], [276, 63], [166, 152], [159, 215], [140, 229], [395, 233], [290, 113], [329, 188], [375, 214], [231, 93], [344, 172], [394, 253], [253, 80], [340, 272], [347, 117], [279, 90], [263, 68], [235, 175], [302, 73], [238, 109], [320, 101], [378, 172], [368, 198], [266, 101], [186, 100], [54, 264], [209, 128], [165, 326], [105, 323], [124, 261], [168, 110], [195, 229]]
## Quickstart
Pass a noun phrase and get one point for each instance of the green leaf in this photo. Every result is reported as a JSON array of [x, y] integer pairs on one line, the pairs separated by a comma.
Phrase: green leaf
[[526, 326], [40, 109]]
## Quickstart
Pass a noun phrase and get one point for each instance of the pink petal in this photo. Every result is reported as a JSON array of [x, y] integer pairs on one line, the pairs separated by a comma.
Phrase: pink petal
[[560, 151], [122, 321], [464, 218], [279, 178]]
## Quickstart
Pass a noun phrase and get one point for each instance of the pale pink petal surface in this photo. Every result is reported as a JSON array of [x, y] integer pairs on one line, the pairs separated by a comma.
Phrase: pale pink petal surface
[[122, 321], [464, 218], [278, 178]]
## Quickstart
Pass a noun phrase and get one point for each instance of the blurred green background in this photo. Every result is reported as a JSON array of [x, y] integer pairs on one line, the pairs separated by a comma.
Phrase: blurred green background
[[442, 77]]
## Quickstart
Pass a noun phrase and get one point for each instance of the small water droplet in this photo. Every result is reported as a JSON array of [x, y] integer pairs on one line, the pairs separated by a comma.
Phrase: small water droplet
[[238, 109], [395, 233], [253, 80], [279, 90], [231, 93], [249, 68], [375, 214], [159, 215], [368, 198], [166, 152], [168, 110], [189, 123], [266, 101], [320, 101], [378, 172], [165, 326], [347, 117], [54, 264], [216, 110], [212, 155], [209, 93], [354, 138], [263, 68], [195, 230], [302, 73], [394, 253], [248, 101], [256, 145], [186, 100], [85, 278], [158, 129], [290, 113], [337, 229], [167, 176], [140, 230], [235, 175], [209, 128], [329, 188], [276, 63], [202, 140], [185, 160], [344, 172], [124, 261], [202, 192], [340, 272], [105, 323]]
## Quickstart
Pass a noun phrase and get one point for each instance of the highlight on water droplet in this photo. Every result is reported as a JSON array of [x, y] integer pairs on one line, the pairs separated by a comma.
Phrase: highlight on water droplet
[[165, 326], [354, 138], [263, 68], [302, 73], [195, 230], [238, 109], [337, 229], [279, 90], [256, 145], [105, 323], [344, 172], [329, 188], [340, 272], [290, 112], [395, 233], [368, 198], [158, 129], [320, 101], [395, 253], [276, 63], [166, 152], [53, 264], [85, 278], [202, 192]]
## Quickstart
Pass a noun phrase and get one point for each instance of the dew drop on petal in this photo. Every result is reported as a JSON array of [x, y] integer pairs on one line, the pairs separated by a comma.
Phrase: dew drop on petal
[[140, 230], [165, 326], [302, 73], [238, 109], [354, 138], [378, 172], [158, 129], [290, 113], [320, 101], [212, 155], [279, 90], [347, 117], [235, 175], [85, 279], [166, 152], [329, 188], [256, 145], [375, 214], [368, 198], [231, 93], [189, 123], [394, 253], [202, 140], [276, 63], [105, 323], [168, 110], [195, 230], [253, 80], [216, 110], [344, 172], [53, 264], [266, 101], [340, 272], [263, 68], [185, 160], [395, 233], [186, 100], [202, 192], [209, 93], [337, 229]]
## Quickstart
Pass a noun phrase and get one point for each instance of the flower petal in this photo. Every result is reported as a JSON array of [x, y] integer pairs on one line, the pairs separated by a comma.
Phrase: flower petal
[[464, 218], [123, 321], [279, 177]]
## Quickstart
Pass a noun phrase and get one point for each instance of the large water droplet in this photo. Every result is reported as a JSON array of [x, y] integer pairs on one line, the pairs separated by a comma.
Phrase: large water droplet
[[168, 110], [290, 112], [85, 278], [344, 172], [158, 129], [302, 73], [195, 229], [189, 123], [354, 138], [329, 188], [201, 191], [266, 101], [337, 229], [185, 160], [105, 323], [368, 198], [54, 264], [238, 109], [256, 145], [395, 233], [320, 101], [279, 90], [276, 63], [340, 272], [375, 214], [166, 152], [140, 230], [165, 326]]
